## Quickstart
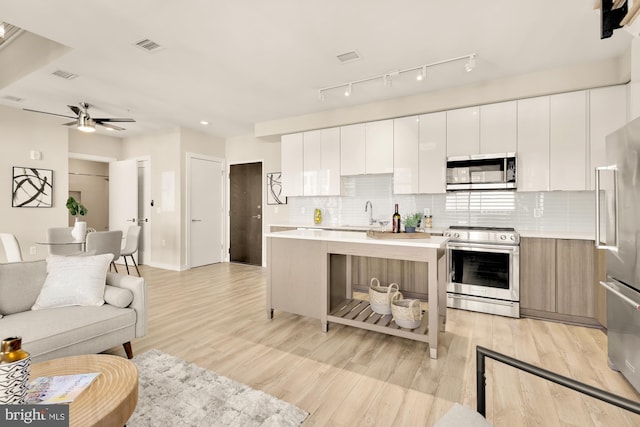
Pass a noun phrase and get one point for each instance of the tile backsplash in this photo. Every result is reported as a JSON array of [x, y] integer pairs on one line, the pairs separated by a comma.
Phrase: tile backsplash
[[571, 211]]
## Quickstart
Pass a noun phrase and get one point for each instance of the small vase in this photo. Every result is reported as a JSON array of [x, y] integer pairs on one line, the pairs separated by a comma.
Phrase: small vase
[[409, 229], [14, 372], [79, 231]]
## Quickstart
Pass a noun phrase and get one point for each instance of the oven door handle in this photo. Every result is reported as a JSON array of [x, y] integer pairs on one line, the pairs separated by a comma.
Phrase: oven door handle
[[610, 287], [484, 248]]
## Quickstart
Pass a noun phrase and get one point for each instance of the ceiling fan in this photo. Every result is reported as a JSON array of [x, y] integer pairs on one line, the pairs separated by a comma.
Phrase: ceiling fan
[[84, 121]]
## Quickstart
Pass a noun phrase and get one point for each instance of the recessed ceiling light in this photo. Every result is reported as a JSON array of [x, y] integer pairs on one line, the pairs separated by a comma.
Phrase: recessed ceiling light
[[204, 122]]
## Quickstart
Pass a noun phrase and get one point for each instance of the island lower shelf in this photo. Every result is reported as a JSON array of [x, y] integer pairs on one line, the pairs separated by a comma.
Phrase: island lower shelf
[[358, 313]]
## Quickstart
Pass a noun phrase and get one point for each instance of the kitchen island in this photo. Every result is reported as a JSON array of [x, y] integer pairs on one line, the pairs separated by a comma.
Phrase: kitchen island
[[309, 272]]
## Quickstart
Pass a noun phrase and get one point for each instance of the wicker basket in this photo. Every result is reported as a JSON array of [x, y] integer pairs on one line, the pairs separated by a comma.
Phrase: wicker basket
[[406, 313], [380, 297]]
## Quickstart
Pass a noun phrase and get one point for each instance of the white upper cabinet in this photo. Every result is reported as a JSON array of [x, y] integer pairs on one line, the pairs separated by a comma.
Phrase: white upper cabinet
[[607, 113], [329, 177], [498, 128], [366, 148], [405, 155], [379, 147], [463, 136], [311, 163], [568, 141], [533, 144], [291, 158], [352, 150], [321, 164], [433, 153]]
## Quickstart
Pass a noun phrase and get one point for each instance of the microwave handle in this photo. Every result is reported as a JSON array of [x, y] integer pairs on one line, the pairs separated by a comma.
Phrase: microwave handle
[[615, 207]]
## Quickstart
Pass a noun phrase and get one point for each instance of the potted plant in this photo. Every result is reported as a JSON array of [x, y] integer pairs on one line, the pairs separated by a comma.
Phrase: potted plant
[[76, 209], [411, 221]]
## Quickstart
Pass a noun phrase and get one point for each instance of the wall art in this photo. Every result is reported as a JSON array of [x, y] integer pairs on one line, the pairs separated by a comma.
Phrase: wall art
[[32, 188], [274, 189]]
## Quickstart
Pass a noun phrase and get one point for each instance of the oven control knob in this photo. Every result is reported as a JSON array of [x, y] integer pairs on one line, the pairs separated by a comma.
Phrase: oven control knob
[[513, 238], [456, 235], [503, 237]]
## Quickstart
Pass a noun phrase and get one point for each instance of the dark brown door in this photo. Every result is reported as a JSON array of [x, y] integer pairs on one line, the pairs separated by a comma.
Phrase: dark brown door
[[245, 222]]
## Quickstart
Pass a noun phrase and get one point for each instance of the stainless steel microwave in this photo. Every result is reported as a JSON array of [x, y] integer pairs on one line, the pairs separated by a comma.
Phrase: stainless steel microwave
[[482, 172]]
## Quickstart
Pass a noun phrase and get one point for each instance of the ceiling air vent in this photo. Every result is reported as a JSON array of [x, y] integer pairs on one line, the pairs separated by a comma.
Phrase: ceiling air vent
[[149, 46], [12, 98], [349, 56], [64, 74]]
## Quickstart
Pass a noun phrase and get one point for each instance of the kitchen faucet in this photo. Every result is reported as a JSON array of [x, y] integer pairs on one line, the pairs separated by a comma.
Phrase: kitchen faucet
[[368, 207]]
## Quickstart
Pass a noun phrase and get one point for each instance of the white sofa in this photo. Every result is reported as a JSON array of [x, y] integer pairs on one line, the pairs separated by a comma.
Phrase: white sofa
[[50, 333]]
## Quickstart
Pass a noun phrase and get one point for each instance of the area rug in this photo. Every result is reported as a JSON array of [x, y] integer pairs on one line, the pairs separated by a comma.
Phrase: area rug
[[173, 392]]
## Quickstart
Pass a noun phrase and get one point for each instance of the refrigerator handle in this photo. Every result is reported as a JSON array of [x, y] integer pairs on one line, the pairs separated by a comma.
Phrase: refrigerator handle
[[613, 168], [608, 286]]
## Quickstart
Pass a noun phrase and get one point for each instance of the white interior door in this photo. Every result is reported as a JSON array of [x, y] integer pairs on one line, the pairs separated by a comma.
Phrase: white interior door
[[205, 211], [123, 195], [143, 256]]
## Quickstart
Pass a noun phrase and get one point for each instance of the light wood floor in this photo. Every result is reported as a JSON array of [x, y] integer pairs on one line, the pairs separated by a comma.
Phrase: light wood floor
[[215, 317]]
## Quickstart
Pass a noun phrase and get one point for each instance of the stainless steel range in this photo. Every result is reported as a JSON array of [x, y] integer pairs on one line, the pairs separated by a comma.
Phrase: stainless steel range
[[484, 270]]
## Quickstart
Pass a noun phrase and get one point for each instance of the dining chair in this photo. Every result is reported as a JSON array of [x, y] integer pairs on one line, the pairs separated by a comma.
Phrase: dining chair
[[61, 242], [131, 246], [11, 247], [105, 242]]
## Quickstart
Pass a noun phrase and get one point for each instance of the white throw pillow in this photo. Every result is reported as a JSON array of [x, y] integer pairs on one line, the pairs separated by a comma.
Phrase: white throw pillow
[[118, 297], [74, 280]]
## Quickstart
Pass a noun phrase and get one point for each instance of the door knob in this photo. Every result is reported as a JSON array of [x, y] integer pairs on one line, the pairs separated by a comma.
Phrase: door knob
[[256, 216], [196, 220]]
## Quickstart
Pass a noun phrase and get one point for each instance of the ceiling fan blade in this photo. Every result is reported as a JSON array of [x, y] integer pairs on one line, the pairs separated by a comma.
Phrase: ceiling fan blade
[[45, 112], [73, 123], [108, 126], [74, 109], [108, 119]]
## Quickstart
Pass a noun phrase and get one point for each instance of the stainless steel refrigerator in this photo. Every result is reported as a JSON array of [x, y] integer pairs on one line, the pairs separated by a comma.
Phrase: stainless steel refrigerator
[[618, 231]]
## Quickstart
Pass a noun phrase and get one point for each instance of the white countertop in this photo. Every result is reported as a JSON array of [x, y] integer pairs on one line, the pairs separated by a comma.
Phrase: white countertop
[[435, 242], [545, 234], [347, 227]]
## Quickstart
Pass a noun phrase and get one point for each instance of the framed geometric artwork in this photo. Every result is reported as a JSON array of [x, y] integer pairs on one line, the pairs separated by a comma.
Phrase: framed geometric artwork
[[274, 189], [32, 188]]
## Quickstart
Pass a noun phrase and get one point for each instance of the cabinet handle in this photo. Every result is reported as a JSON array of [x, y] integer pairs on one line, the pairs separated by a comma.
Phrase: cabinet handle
[[613, 168], [610, 287]]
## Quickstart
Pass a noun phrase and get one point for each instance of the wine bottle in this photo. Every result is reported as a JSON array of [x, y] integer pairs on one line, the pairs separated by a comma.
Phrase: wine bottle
[[396, 221]]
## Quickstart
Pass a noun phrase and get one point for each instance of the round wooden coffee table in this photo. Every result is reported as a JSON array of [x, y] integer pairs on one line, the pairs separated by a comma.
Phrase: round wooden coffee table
[[109, 400]]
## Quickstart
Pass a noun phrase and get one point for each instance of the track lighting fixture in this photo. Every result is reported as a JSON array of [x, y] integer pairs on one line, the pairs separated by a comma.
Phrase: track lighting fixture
[[387, 78]]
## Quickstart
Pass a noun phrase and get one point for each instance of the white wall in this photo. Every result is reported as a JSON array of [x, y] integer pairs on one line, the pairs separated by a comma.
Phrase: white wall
[[247, 149], [22, 132]]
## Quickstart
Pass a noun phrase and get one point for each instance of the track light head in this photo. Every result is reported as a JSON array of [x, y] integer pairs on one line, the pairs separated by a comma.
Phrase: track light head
[[423, 74], [347, 92], [320, 95], [471, 63]]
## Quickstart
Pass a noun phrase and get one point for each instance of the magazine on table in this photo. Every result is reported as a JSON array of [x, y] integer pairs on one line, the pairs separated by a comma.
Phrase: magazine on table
[[58, 389]]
